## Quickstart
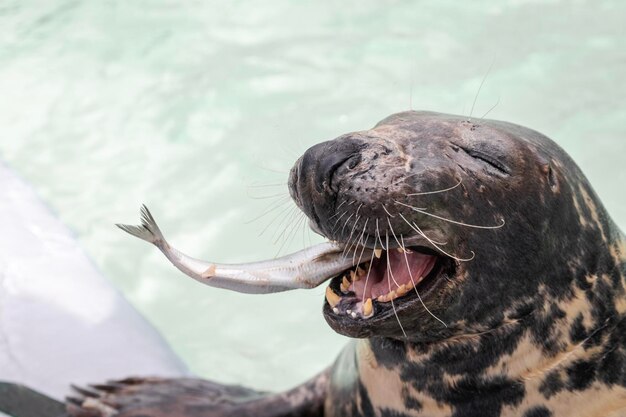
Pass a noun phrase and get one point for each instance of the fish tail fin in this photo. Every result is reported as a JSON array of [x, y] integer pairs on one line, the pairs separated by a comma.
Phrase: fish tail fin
[[19, 401], [147, 230]]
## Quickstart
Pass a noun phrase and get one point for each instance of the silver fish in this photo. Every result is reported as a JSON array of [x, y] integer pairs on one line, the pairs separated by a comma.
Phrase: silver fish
[[307, 268]]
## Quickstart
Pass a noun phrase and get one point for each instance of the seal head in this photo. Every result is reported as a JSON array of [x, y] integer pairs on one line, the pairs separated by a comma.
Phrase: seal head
[[496, 216], [516, 272]]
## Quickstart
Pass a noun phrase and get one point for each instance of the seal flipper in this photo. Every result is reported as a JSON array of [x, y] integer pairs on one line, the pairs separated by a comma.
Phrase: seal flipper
[[188, 397], [20, 401]]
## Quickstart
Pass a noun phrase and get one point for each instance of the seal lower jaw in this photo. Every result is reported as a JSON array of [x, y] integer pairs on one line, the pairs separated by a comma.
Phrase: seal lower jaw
[[373, 289]]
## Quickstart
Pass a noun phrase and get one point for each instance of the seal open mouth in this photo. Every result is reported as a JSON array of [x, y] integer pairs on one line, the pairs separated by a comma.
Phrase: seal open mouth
[[374, 285]]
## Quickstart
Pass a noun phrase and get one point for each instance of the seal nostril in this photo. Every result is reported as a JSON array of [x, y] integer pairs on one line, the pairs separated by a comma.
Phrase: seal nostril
[[328, 174], [331, 160]]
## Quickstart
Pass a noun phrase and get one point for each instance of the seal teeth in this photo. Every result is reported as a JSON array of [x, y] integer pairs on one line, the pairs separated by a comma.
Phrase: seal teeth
[[345, 285], [368, 308], [353, 276], [398, 292], [378, 253], [332, 298], [403, 289], [388, 297]]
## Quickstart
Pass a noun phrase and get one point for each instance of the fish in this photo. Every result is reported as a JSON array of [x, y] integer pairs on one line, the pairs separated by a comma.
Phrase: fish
[[305, 269]]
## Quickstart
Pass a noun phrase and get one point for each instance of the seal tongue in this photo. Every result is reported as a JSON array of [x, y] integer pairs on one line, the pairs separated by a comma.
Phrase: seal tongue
[[394, 274]]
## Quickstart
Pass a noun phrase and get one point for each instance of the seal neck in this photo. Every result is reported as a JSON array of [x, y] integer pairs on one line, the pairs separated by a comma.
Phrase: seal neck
[[501, 373], [566, 352]]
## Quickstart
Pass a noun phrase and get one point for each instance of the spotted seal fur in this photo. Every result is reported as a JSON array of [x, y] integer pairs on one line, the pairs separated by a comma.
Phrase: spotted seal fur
[[496, 285]]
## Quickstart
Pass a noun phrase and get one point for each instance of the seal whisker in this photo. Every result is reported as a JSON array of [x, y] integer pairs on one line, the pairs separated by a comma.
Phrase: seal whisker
[[492, 107], [415, 286], [276, 217], [275, 184], [362, 249], [337, 210], [267, 197], [301, 221], [346, 222], [408, 267], [339, 219], [389, 265], [361, 242], [284, 222], [351, 242], [287, 222], [446, 253], [292, 233], [394, 236], [356, 221], [268, 187], [306, 232], [422, 211], [411, 226], [378, 236], [393, 306], [371, 262], [438, 191], [356, 243], [432, 242], [403, 179], [478, 92], [389, 214], [273, 170], [275, 205]]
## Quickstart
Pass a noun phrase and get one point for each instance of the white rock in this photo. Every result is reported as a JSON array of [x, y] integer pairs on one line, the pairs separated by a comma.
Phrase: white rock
[[61, 321]]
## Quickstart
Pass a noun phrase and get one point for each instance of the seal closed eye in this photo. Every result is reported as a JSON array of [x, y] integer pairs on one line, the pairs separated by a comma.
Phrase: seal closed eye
[[472, 262]]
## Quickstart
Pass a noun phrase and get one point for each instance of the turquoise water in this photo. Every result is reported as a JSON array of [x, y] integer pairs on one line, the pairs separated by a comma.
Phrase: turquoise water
[[199, 109]]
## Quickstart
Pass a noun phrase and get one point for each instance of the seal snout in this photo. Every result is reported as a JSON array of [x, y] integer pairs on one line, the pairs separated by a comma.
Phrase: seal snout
[[313, 181]]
